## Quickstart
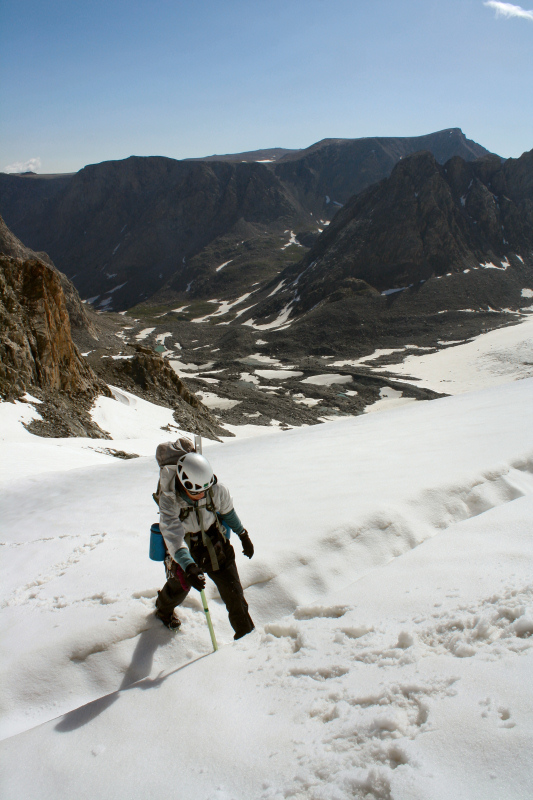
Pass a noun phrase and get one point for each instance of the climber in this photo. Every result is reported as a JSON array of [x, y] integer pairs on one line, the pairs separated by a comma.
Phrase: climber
[[196, 515]]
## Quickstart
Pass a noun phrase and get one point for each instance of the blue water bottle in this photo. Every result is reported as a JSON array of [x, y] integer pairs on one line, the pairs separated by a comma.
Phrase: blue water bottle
[[157, 543]]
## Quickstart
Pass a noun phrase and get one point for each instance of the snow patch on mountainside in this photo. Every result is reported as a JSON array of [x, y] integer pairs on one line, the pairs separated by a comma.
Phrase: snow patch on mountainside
[[494, 358]]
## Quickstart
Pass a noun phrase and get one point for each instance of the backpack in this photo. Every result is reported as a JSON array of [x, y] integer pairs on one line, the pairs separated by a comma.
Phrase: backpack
[[169, 453]]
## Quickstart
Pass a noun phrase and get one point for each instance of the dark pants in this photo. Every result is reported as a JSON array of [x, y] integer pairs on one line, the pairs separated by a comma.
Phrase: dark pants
[[229, 586]]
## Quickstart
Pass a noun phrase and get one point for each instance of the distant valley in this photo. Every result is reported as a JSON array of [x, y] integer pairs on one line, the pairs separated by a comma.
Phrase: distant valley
[[279, 285]]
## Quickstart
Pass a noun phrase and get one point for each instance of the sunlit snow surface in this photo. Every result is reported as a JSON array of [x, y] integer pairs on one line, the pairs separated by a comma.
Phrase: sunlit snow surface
[[391, 587], [494, 358]]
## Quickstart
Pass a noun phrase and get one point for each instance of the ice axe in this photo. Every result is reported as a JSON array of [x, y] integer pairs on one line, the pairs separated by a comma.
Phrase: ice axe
[[209, 623]]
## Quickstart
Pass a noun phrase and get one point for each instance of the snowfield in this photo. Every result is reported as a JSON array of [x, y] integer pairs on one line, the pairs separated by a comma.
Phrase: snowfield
[[392, 589], [498, 357]]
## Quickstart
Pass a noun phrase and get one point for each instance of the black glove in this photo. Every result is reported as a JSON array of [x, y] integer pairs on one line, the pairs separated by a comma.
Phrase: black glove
[[247, 546], [195, 576]]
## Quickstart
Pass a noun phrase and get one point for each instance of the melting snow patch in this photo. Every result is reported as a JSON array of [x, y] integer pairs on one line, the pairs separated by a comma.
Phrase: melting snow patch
[[279, 323], [527, 293], [179, 366], [207, 380], [224, 307], [225, 264], [327, 379], [258, 359], [306, 401], [292, 240], [117, 288], [280, 374], [278, 287], [144, 334], [214, 401], [247, 377], [376, 354], [490, 265]]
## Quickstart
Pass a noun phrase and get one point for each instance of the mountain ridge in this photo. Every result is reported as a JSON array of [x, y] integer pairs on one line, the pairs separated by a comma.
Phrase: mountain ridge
[[133, 227], [469, 224]]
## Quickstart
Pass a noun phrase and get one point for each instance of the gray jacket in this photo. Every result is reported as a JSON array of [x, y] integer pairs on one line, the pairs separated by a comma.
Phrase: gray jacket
[[170, 505]]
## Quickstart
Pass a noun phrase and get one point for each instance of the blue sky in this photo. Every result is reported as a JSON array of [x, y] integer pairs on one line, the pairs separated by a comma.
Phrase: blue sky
[[87, 82]]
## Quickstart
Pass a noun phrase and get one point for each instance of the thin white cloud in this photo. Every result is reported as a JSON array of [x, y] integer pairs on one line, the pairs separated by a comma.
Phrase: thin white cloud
[[32, 165], [509, 10]]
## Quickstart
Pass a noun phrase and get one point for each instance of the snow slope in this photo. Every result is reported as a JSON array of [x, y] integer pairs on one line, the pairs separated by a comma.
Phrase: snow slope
[[491, 359], [391, 587]]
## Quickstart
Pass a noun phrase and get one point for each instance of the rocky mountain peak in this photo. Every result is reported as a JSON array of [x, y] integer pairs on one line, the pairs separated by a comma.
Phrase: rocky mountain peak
[[425, 221]]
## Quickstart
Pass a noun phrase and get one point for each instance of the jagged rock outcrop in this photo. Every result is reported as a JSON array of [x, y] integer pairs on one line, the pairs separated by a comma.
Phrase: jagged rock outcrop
[[36, 348], [11, 246], [141, 228], [149, 376], [425, 221]]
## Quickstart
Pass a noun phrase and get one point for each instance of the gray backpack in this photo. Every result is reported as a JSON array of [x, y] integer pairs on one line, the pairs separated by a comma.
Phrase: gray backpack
[[169, 453]]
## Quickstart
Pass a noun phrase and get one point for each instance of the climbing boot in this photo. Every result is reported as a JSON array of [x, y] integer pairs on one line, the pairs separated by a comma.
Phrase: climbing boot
[[166, 615], [170, 620]]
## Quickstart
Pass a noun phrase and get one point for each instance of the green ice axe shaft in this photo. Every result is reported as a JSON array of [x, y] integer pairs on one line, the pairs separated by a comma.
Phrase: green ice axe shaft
[[208, 618]]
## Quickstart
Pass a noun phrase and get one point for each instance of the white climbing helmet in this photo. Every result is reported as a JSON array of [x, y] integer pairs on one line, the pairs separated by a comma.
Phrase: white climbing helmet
[[195, 472]]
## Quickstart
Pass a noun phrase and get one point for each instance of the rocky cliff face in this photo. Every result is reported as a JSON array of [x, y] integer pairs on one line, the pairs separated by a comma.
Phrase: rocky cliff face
[[126, 231], [78, 316], [427, 221], [36, 346]]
